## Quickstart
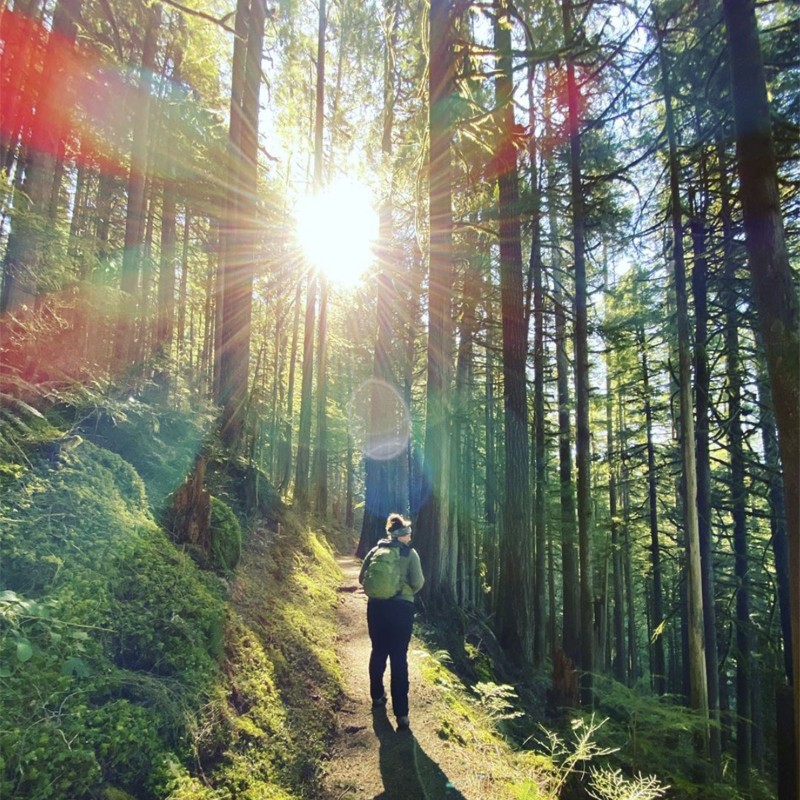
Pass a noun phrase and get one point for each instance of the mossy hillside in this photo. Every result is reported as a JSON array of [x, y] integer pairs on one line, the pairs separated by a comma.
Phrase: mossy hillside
[[110, 636], [265, 736], [161, 441]]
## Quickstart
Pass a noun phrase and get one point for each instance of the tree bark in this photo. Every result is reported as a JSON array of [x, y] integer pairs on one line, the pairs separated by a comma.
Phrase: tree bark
[[124, 346], [536, 268], [698, 227], [378, 497], [619, 657], [301, 490], [738, 502], [658, 666], [583, 433], [698, 686], [432, 514], [239, 248], [515, 587], [33, 212], [771, 275], [321, 450], [571, 623]]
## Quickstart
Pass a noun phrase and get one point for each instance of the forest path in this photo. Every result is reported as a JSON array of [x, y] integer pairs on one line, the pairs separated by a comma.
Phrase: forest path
[[370, 758]]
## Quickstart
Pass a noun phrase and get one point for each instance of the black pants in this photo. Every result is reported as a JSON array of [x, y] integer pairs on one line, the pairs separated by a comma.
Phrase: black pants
[[390, 623]]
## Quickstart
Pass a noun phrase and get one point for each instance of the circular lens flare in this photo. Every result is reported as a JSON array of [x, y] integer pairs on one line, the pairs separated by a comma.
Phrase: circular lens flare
[[379, 420]]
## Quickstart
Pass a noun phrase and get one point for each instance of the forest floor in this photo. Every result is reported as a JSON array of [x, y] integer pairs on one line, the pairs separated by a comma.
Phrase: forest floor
[[370, 757]]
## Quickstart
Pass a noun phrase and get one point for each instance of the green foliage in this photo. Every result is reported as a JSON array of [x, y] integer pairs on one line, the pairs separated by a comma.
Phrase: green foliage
[[167, 616], [226, 537], [243, 487], [607, 784], [649, 733], [109, 637], [570, 756], [19, 422], [160, 442]]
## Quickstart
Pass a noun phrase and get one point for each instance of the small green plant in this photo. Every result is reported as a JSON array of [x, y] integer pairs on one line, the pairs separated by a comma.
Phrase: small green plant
[[497, 700], [573, 757], [607, 784], [569, 759], [28, 631]]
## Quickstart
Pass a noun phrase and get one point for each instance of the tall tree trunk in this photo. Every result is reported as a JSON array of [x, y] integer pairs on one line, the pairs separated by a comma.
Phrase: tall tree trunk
[[698, 685], [165, 316], [619, 658], [462, 462], [284, 465], [571, 626], [627, 567], [124, 346], [771, 274], [140, 351], [658, 665], [490, 483], [433, 502], [583, 434], [463, 513], [301, 495], [780, 548], [241, 223], [321, 450], [378, 497], [738, 502], [515, 586], [777, 517], [412, 327], [184, 281], [21, 51], [536, 268], [698, 229], [166, 273]]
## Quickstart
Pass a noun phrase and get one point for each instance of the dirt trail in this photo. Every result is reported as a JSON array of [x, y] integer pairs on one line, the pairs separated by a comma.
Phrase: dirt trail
[[371, 759]]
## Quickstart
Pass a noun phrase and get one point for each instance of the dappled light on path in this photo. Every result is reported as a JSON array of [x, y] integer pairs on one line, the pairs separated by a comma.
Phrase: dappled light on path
[[371, 759]]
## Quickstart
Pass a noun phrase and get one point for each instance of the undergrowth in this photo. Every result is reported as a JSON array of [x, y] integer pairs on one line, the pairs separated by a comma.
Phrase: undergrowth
[[109, 634], [632, 746], [126, 671]]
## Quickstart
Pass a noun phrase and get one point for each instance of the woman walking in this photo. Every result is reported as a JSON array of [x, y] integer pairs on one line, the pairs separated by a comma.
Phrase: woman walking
[[391, 575]]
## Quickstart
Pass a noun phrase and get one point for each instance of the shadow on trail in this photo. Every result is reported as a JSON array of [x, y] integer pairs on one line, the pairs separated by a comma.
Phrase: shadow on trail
[[407, 772]]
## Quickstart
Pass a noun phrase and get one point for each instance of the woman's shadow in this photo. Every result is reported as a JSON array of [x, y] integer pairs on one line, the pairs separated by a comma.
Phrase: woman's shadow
[[407, 772]]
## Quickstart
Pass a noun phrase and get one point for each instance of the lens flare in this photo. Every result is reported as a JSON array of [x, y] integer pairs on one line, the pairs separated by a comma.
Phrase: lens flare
[[336, 230], [379, 420]]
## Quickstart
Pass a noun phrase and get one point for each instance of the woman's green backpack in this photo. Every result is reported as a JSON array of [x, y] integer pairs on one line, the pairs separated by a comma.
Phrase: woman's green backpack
[[385, 573]]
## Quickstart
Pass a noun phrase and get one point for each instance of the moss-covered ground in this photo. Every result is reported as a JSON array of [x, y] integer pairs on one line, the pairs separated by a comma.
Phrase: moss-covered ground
[[127, 670]]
